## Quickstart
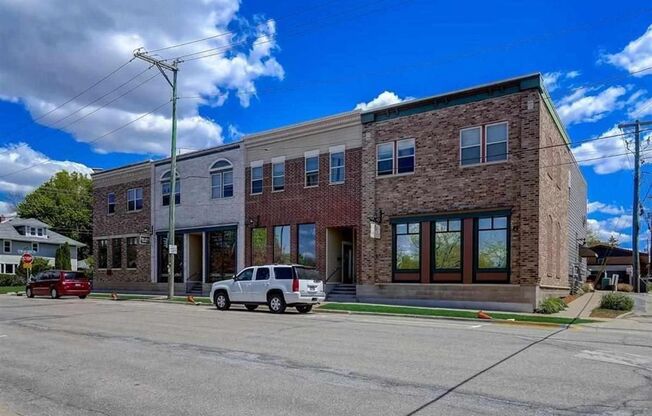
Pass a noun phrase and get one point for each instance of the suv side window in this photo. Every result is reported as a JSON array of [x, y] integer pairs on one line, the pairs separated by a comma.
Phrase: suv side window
[[246, 275], [262, 273], [283, 273]]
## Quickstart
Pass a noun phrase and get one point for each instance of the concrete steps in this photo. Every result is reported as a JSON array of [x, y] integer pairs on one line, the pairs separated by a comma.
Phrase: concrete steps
[[342, 293]]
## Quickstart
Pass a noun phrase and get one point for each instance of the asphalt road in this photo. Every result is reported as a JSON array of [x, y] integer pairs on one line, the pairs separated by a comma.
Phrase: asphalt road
[[73, 357]]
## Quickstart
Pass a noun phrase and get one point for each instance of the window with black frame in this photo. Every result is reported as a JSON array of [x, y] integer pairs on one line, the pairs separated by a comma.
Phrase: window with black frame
[[493, 243], [221, 254], [163, 259], [407, 245], [448, 245]]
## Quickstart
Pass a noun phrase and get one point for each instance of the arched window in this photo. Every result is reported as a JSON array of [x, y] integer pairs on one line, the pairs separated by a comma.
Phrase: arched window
[[222, 179], [166, 189]]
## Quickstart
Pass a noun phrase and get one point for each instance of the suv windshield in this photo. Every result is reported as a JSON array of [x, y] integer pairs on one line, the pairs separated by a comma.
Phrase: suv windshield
[[74, 276], [304, 273]]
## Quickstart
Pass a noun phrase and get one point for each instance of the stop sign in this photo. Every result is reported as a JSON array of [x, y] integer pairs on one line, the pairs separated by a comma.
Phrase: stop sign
[[27, 258]]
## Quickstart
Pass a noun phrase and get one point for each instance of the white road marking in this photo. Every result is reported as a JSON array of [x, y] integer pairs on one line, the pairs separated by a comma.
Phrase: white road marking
[[2, 336], [616, 357], [403, 321]]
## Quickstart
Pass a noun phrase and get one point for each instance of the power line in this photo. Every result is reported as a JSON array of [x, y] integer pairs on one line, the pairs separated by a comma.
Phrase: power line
[[92, 141]]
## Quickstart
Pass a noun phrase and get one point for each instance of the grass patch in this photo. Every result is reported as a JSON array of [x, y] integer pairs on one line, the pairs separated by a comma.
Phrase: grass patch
[[9, 289], [448, 313], [606, 313]]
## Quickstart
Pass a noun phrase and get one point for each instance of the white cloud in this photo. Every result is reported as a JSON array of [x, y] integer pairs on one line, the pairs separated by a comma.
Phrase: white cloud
[[552, 80], [601, 207], [636, 56], [604, 230], [71, 45], [234, 133], [581, 108], [611, 154], [383, 99], [641, 108], [7, 209], [35, 168]]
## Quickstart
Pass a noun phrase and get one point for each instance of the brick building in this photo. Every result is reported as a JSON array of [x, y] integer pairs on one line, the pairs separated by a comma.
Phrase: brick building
[[471, 193], [121, 227], [303, 196]]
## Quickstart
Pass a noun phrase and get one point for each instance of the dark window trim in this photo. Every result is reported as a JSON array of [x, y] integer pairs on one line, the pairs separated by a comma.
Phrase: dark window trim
[[476, 241], [433, 266], [461, 215], [274, 240], [207, 260], [298, 227], [396, 271]]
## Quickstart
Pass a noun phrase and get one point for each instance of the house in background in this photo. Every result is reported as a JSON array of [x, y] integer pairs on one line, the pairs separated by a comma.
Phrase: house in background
[[27, 235], [614, 261]]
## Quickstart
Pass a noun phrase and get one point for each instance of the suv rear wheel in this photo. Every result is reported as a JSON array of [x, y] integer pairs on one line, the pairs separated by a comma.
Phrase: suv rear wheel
[[304, 308], [53, 293], [222, 301], [29, 292], [276, 303]]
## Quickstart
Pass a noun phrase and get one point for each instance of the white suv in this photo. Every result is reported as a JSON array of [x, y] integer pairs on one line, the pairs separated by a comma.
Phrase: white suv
[[277, 286]]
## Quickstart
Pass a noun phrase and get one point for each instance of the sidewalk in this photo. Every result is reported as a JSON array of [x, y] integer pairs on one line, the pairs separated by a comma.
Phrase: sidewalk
[[582, 306]]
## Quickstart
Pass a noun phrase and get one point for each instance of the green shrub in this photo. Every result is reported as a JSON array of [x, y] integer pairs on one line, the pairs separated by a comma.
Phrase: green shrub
[[62, 257], [624, 287], [11, 280], [617, 302], [551, 305]]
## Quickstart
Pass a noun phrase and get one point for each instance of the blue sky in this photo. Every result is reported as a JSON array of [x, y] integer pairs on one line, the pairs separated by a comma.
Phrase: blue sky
[[290, 61]]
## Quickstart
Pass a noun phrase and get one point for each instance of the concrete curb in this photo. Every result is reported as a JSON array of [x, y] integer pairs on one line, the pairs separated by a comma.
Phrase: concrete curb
[[449, 318]]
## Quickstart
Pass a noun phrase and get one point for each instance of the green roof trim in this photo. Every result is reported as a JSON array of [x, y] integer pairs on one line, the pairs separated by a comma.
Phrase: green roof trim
[[466, 96]]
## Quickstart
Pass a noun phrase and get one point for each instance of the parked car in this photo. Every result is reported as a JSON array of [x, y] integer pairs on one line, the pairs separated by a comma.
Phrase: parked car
[[277, 286], [57, 283]]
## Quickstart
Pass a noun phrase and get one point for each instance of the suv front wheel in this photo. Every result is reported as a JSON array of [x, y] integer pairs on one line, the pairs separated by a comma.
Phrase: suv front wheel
[[276, 303], [222, 301], [53, 293]]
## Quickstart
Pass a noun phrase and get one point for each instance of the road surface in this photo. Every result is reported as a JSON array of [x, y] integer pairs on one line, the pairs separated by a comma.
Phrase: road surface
[[96, 357]]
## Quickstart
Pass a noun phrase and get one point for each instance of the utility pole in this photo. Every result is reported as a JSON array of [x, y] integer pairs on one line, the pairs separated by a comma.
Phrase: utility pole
[[636, 205], [162, 66]]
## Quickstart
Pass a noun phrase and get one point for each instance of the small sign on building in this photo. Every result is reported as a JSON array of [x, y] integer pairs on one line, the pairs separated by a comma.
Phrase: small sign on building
[[144, 240], [172, 249], [374, 228]]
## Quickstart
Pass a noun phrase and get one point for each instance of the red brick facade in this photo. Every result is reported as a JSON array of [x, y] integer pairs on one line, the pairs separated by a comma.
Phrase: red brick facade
[[327, 205], [121, 225]]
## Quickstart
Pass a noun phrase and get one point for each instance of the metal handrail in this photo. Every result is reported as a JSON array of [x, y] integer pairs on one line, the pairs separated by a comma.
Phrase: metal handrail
[[332, 274]]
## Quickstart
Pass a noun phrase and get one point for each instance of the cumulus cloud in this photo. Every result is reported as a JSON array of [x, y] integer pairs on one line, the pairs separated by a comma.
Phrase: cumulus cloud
[[601, 207], [35, 168], [552, 80], [641, 108], [578, 107], [72, 45], [636, 56], [7, 209], [611, 154], [604, 230], [383, 99]]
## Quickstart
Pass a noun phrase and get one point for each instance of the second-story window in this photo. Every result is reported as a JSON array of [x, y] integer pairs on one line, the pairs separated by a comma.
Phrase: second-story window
[[337, 164], [311, 167], [483, 144], [134, 199], [166, 189], [110, 202], [256, 178], [222, 179], [278, 174], [395, 158]]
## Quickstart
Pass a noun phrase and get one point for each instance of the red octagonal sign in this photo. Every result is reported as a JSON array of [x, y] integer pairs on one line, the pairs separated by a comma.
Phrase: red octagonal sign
[[27, 258]]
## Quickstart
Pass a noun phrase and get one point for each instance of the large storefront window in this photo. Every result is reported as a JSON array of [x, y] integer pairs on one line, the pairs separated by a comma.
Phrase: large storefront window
[[307, 249], [448, 245], [221, 254], [408, 243], [258, 246], [492, 243], [132, 252], [282, 244], [163, 259], [116, 253]]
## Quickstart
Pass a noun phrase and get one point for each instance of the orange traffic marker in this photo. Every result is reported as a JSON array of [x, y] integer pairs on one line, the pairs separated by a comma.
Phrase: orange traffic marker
[[114, 296], [483, 315]]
